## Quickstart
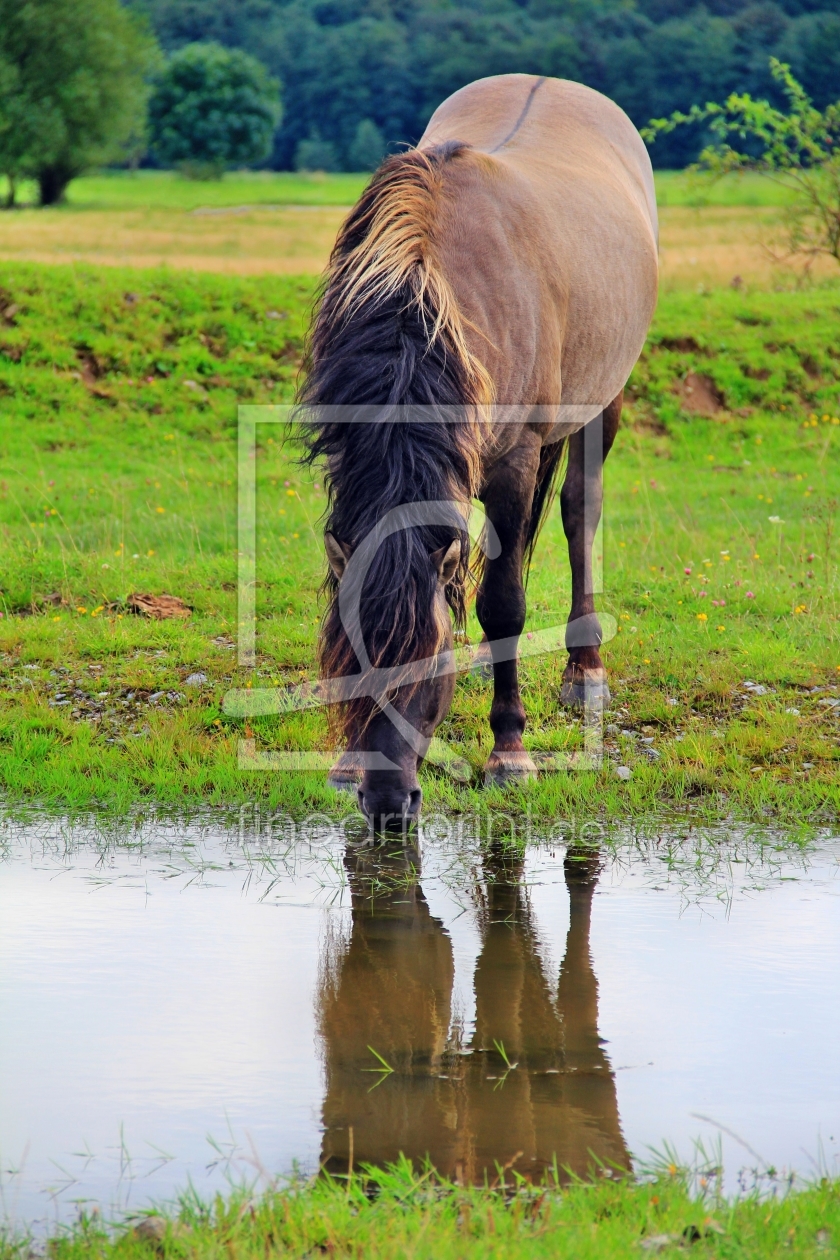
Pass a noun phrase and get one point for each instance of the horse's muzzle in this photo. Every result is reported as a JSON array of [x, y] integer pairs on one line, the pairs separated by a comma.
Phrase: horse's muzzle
[[389, 810]]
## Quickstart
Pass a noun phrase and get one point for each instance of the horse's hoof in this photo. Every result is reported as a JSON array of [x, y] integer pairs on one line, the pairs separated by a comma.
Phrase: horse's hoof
[[585, 688], [508, 767], [346, 774]]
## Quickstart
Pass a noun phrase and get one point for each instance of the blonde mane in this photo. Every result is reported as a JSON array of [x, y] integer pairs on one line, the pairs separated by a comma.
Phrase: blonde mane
[[388, 244]]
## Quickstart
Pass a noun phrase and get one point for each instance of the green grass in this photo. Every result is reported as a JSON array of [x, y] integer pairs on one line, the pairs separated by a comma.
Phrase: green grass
[[748, 188], [118, 406], [167, 190], [398, 1214]]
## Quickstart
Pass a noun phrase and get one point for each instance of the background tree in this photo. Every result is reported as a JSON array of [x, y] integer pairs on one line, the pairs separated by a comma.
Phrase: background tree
[[213, 108], [72, 89], [368, 147], [393, 61], [799, 147]]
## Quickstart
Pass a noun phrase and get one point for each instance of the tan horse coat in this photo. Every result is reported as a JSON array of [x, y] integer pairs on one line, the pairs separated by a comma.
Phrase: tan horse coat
[[561, 201]]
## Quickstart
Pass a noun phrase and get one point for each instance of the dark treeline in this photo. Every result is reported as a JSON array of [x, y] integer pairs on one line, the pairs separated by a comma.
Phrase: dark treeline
[[355, 72]]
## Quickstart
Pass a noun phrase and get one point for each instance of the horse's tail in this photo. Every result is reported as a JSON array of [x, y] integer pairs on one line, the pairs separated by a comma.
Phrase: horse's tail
[[551, 462]]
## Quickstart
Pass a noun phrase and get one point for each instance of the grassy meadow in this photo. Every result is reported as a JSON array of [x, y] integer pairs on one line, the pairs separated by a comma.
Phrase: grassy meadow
[[118, 409], [270, 223]]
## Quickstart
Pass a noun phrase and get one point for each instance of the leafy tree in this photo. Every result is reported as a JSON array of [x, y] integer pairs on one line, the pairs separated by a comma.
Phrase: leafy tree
[[213, 108], [72, 87], [315, 154], [799, 148], [393, 61], [368, 147]]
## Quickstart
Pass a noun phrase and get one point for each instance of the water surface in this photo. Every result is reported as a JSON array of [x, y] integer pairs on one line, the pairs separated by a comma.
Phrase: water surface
[[198, 1004]]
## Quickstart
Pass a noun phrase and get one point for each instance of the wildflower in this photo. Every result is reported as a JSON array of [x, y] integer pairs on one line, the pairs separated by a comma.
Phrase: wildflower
[[287, 483], [647, 660], [625, 616], [800, 608], [721, 627], [702, 617], [282, 512], [170, 437], [81, 610], [295, 535], [56, 619], [749, 595], [150, 552], [756, 556], [160, 509], [775, 520], [702, 594], [687, 572]]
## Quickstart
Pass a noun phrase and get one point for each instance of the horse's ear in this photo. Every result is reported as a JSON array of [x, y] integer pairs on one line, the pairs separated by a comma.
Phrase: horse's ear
[[446, 561], [338, 553]]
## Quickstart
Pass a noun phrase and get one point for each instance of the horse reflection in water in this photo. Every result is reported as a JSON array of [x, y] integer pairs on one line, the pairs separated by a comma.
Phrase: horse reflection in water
[[464, 1107]]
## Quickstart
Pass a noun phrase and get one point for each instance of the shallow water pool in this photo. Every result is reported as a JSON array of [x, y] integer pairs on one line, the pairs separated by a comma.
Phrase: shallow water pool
[[191, 1004]]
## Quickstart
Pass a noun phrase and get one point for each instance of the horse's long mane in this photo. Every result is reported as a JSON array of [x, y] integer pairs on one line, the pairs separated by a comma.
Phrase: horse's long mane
[[388, 334]]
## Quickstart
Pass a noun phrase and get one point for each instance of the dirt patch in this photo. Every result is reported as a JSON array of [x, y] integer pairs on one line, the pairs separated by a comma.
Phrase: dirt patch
[[686, 345], [158, 607], [699, 395]]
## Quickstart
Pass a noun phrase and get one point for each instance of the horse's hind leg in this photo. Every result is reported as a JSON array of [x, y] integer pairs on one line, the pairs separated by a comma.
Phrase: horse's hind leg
[[580, 503], [500, 606]]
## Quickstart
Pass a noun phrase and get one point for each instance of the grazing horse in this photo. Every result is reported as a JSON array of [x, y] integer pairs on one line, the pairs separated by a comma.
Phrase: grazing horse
[[484, 304]]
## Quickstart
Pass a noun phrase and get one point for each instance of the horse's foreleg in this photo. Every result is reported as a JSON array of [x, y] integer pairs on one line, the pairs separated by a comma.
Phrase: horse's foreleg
[[580, 502], [500, 606]]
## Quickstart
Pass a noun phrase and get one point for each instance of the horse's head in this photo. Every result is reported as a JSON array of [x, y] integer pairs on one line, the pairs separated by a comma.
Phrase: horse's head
[[391, 615]]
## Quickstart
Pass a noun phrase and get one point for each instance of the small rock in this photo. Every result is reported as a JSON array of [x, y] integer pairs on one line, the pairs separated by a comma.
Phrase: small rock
[[612, 729], [657, 1242], [151, 1229], [670, 700], [795, 712], [195, 680], [807, 765], [623, 773]]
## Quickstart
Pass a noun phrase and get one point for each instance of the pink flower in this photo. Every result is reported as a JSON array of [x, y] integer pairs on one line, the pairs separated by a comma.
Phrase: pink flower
[[750, 595], [688, 571], [702, 594]]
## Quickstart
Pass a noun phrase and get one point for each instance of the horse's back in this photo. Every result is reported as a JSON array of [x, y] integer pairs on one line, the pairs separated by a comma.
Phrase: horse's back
[[549, 233]]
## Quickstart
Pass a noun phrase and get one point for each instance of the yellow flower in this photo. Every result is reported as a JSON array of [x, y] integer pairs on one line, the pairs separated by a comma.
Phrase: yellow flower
[[721, 627], [290, 493], [81, 610], [160, 509], [702, 617], [150, 552]]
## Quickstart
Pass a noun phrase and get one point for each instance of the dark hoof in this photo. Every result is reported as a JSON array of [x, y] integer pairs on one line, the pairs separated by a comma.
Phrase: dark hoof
[[584, 688], [346, 774], [508, 767]]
